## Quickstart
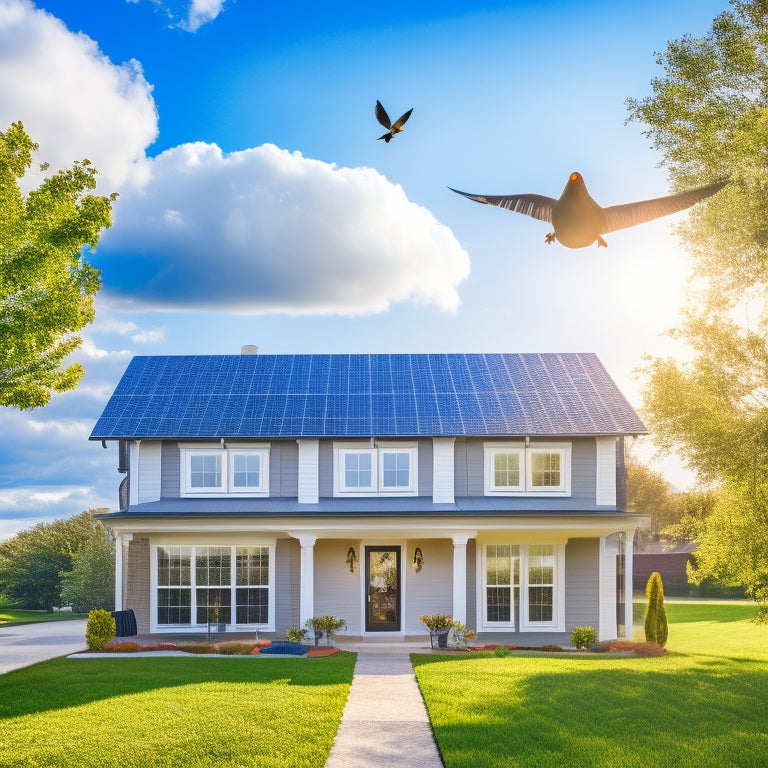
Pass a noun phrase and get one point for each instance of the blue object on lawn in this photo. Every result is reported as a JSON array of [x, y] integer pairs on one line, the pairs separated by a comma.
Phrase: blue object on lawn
[[292, 649]]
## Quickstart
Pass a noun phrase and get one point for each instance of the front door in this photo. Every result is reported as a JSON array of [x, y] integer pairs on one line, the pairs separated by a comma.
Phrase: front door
[[382, 566]]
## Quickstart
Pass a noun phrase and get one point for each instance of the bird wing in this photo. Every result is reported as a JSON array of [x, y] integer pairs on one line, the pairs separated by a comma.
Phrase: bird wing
[[382, 116], [401, 122], [537, 206], [621, 216]]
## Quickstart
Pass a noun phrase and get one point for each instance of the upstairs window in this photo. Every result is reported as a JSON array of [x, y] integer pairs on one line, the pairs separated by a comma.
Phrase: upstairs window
[[513, 469], [224, 471], [388, 469]]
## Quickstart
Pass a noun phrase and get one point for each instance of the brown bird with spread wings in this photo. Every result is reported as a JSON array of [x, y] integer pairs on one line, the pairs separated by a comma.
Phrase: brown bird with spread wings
[[579, 221], [392, 128]]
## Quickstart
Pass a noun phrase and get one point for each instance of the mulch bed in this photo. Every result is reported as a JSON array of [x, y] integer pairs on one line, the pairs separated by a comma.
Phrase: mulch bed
[[315, 652]]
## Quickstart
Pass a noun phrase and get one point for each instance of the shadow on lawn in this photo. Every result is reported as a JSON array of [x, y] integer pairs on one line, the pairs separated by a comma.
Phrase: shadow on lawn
[[599, 712], [61, 683]]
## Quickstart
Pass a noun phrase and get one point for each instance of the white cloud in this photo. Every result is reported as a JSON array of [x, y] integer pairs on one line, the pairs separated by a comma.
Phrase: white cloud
[[147, 337], [201, 12], [266, 230], [74, 102]]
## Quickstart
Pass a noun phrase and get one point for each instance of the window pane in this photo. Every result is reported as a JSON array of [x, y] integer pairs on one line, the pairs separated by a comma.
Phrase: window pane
[[252, 566], [357, 470], [252, 605], [213, 605], [246, 471], [173, 566], [498, 604], [396, 470], [506, 470], [174, 606], [540, 603], [541, 578], [545, 469], [212, 566], [205, 471]]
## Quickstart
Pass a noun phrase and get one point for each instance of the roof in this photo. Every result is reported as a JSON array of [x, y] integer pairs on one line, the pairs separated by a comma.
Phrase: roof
[[377, 395]]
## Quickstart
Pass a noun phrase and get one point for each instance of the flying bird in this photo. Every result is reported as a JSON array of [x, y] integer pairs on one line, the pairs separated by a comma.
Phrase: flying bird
[[392, 128], [579, 221]]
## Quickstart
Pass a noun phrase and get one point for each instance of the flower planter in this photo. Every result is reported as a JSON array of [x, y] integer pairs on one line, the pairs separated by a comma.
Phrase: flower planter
[[439, 638]]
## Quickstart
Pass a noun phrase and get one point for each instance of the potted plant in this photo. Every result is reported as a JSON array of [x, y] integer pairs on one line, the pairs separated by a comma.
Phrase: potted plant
[[459, 634], [438, 625], [327, 625], [294, 634]]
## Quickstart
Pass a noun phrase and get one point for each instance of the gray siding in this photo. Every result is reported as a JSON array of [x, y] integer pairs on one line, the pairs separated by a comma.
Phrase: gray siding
[[170, 470], [430, 590], [287, 586], [325, 469], [284, 469], [338, 591], [582, 570]]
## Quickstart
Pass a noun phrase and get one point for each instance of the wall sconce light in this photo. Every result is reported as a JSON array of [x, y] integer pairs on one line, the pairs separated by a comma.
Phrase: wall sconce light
[[351, 559], [418, 560]]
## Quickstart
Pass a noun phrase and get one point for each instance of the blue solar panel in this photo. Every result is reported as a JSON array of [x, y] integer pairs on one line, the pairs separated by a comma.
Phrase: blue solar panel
[[263, 396]]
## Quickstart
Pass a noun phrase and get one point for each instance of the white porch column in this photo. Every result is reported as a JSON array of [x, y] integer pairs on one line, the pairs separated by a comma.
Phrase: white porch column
[[460, 540], [307, 593], [628, 604], [121, 544]]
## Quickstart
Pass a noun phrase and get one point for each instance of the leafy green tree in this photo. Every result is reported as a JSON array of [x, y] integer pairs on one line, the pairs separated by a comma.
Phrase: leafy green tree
[[91, 582], [46, 284], [655, 616], [648, 493], [708, 117], [31, 562]]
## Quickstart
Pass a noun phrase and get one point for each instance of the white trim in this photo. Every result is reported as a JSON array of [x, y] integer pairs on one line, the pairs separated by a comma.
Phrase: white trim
[[133, 472], [377, 453], [443, 470], [605, 474], [193, 626], [460, 541], [309, 471], [225, 453], [149, 472], [526, 453]]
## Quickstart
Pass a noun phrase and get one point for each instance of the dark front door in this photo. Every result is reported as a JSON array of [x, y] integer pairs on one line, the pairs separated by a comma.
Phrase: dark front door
[[382, 566]]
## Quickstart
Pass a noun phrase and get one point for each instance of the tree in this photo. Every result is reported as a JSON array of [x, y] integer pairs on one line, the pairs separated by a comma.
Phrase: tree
[[708, 117], [46, 284], [656, 629], [31, 563], [91, 582], [648, 493]]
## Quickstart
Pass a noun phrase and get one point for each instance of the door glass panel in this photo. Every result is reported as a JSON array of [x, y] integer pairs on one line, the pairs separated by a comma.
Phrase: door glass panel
[[383, 568]]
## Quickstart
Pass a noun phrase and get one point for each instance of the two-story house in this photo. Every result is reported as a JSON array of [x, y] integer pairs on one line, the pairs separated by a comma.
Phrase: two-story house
[[375, 488]]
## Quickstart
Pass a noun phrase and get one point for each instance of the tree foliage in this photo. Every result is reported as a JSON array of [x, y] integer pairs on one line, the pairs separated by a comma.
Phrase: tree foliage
[[91, 582], [708, 118], [31, 562], [46, 283]]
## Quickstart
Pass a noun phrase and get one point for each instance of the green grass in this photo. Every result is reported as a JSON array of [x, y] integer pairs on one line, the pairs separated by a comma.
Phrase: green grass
[[10, 616], [703, 705], [173, 712]]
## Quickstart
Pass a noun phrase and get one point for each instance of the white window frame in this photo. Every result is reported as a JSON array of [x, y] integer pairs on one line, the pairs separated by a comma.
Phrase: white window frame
[[226, 454], [377, 452], [527, 488], [503, 625], [193, 626], [557, 624]]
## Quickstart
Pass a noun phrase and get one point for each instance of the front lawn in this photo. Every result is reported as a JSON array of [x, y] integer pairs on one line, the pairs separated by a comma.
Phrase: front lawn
[[703, 705], [10, 616], [189, 711]]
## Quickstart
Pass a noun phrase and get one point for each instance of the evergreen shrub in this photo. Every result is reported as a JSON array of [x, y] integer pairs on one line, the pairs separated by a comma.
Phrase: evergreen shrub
[[100, 629]]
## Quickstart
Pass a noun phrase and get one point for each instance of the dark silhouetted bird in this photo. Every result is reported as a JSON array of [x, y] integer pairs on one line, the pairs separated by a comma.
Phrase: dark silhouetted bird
[[392, 128], [579, 221]]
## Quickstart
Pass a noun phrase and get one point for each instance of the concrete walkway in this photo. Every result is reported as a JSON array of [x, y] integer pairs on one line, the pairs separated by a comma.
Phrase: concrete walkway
[[26, 644], [385, 722]]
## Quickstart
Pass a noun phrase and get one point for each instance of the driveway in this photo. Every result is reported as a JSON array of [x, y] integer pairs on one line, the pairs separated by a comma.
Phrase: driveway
[[27, 644]]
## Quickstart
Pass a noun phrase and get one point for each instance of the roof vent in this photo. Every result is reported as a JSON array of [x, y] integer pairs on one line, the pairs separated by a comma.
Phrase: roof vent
[[249, 349]]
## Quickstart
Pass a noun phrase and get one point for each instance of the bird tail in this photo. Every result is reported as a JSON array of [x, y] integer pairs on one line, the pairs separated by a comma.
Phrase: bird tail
[[387, 137]]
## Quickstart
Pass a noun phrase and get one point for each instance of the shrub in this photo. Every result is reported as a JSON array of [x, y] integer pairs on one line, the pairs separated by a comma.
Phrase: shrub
[[655, 616], [583, 637], [100, 629], [761, 617], [198, 648], [326, 623], [127, 647], [501, 652], [295, 634], [235, 649], [551, 648]]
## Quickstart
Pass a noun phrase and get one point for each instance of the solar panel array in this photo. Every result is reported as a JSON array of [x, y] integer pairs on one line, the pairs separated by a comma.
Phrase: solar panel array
[[272, 396]]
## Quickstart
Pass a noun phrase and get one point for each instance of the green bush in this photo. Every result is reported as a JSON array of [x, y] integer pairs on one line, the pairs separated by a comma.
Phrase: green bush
[[236, 649], [656, 629], [761, 617], [551, 648], [295, 634], [100, 629], [326, 623], [583, 637], [501, 652]]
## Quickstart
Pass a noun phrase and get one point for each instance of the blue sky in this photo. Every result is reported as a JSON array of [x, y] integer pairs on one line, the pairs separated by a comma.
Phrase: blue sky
[[257, 207]]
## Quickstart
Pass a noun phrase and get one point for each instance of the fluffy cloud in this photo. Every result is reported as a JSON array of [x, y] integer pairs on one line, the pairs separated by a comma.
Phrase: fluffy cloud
[[74, 102], [189, 15], [266, 230]]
